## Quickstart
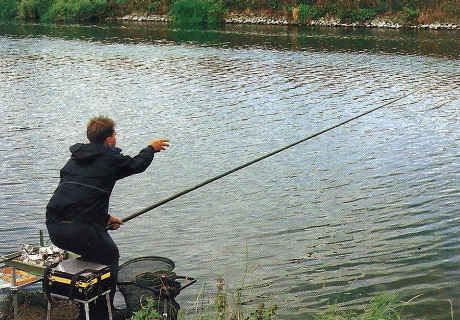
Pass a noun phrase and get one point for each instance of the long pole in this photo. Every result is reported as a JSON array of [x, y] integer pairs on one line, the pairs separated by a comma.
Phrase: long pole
[[177, 195]]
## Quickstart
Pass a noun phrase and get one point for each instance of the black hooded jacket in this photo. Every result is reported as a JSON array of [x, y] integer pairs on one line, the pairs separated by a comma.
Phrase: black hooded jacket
[[87, 181]]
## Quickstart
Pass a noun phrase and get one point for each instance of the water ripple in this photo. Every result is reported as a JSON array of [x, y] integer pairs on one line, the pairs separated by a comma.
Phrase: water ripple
[[369, 206]]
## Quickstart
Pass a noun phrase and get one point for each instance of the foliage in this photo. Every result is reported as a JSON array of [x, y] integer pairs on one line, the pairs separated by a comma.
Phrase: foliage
[[213, 11], [76, 10], [224, 310], [148, 311], [147, 6], [33, 9], [184, 12], [221, 301], [8, 9], [310, 12], [64, 10], [382, 307], [411, 14], [362, 14], [263, 313], [152, 6]]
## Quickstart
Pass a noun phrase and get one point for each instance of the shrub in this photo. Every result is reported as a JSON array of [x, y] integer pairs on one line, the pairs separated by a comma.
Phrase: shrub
[[152, 7], [33, 9], [382, 7], [77, 10], [411, 14], [364, 14], [307, 12], [273, 4], [8, 9], [356, 15], [63, 10], [185, 12], [345, 15]]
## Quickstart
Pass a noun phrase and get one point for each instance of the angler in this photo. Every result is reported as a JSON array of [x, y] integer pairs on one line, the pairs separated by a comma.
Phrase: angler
[[77, 214]]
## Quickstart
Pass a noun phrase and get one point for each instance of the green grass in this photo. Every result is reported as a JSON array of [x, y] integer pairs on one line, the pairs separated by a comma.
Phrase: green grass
[[382, 307], [214, 11], [185, 12], [148, 311], [227, 305]]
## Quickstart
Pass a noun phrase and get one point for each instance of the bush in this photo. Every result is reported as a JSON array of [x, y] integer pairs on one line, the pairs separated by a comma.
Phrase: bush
[[364, 14], [152, 7], [8, 9], [356, 15], [33, 9], [411, 15], [77, 10], [382, 7], [63, 10], [185, 12], [307, 12]]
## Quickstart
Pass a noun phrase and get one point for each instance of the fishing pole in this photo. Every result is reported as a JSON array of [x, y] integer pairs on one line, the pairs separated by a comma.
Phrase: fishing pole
[[177, 195]]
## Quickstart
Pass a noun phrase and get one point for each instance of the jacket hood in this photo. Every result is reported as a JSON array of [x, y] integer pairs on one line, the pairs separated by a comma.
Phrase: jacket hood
[[82, 152]]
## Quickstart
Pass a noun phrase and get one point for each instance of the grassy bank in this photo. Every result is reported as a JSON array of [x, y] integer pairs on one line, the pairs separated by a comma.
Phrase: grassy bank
[[384, 306], [405, 12]]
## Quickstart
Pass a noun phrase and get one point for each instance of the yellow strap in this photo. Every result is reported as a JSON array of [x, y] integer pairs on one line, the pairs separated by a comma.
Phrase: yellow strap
[[80, 283]]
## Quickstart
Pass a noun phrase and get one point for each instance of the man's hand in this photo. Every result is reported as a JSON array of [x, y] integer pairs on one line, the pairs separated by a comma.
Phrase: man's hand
[[114, 223], [159, 145]]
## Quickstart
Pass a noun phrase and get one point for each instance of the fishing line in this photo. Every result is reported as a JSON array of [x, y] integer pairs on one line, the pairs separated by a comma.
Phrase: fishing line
[[177, 195]]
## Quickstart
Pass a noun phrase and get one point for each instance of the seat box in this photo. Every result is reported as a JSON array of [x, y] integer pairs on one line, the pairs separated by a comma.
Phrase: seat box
[[77, 279]]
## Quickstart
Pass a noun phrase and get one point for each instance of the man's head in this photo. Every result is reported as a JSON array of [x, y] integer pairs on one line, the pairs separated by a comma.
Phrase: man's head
[[101, 130]]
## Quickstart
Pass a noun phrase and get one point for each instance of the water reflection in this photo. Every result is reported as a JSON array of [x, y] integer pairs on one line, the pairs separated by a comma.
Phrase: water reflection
[[440, 43]]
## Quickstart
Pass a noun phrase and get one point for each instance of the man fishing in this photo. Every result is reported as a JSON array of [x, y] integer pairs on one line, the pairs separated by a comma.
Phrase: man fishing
[[77, 215]]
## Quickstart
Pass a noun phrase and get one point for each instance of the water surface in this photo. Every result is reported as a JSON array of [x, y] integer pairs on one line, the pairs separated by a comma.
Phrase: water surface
[[368, 207]]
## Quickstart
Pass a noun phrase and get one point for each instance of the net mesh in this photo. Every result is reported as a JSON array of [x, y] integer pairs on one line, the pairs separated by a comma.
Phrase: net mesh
[[139, 278], [129, 270]]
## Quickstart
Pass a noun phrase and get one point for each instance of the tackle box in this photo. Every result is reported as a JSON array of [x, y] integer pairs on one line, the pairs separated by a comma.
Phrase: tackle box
[[77, 279]]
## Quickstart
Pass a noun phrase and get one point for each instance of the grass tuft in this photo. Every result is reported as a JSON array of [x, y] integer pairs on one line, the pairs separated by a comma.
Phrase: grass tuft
[[382, 307]]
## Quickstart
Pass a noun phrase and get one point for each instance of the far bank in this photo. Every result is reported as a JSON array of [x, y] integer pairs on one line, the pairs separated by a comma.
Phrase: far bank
[[440, 14], [262, 18]]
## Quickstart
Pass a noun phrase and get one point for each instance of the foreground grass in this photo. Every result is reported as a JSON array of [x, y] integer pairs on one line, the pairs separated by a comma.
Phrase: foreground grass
[[383, 306]]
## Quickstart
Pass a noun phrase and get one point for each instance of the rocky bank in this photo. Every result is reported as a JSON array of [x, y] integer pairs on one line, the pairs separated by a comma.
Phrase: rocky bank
[[253, 18]]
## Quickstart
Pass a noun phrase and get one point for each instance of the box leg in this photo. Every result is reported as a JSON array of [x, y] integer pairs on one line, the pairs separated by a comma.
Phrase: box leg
[[86, 310], [109, 307], [15, 300], [48, 312]]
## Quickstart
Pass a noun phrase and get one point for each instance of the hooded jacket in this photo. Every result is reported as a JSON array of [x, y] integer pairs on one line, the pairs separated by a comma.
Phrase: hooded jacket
[[87, 180]]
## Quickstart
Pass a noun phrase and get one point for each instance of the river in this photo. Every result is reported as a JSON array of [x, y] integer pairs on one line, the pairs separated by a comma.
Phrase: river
[[369, 207]]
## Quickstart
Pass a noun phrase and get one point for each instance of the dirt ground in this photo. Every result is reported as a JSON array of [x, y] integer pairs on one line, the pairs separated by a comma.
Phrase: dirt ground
[[62, 310], [33, 306]]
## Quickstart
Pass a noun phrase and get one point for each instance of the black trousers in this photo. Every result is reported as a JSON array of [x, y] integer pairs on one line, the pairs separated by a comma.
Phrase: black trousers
[[93, 244]]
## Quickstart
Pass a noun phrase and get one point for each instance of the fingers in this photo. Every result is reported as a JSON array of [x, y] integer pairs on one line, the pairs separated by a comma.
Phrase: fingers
[[114, 226], [114, 223], [159, 145], [164, 143]]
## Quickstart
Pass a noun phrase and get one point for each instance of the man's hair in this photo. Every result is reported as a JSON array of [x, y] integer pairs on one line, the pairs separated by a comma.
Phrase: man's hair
[[99, 129]]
